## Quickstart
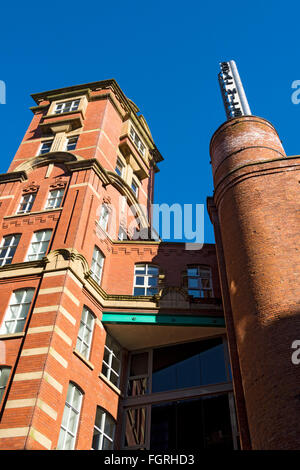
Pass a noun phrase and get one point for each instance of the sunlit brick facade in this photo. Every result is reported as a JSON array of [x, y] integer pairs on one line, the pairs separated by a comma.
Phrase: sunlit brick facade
[[110, 337]]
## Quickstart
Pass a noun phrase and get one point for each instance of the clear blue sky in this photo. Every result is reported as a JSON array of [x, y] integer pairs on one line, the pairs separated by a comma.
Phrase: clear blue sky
[[164, 55]]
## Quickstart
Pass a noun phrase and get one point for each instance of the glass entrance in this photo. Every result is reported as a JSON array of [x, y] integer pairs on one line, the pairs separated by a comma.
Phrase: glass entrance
[[180, 398], [202, 423]]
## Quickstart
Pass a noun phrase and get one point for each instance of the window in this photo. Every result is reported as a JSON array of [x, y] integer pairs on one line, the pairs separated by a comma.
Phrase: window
[[69, 425], [187, 365], [45, 147], [104, 215], [71, 143], [104, 431], [26, 203], [111, 365], [199, 282], [16, 313], [179, 396], [84, 339], [54, 198], [97, 265], [66, 106], [135, 187], [39, 245], [145, 279], [120, 167], [4, 375], [136, 139], [7, 248]]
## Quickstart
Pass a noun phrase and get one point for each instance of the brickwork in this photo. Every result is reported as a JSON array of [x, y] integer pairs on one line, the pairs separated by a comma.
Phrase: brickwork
[[256, 189], [43, 356]]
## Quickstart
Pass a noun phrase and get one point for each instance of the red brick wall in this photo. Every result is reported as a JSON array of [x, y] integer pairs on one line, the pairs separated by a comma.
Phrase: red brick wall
[[257, 187]]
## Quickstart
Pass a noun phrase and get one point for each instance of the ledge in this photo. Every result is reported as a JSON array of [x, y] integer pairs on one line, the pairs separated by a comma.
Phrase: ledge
[[111, 385], [21, 334], [13, 176], [33, 213], [83, 359]]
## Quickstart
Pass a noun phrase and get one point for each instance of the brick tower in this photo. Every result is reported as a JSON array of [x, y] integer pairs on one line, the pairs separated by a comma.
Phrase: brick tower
[[256, 220], [90, 304]]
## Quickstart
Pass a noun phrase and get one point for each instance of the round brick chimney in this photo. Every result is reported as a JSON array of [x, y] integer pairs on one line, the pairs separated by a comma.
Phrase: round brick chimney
[[257, 200]]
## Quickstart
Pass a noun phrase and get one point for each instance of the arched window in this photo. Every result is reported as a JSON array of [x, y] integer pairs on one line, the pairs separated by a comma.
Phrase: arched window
[[145, 279], [26, 203], [54, 198], [104, 216], [8, 248], [4, 375], [39, 245], [97, 265], [85, 333], [198, 281], [16, 313], [70, 419], [104, 431]]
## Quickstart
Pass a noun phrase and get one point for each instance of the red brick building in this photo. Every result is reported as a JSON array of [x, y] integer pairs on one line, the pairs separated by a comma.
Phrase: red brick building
[[110, 339]]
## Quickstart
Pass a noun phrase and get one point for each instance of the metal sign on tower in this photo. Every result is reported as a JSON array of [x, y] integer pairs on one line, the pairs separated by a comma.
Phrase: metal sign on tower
[[232, 90]]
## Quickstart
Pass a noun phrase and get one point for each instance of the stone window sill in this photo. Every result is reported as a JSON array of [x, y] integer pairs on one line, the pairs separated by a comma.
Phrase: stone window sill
[[83, 359], [110, 384], [12, 335]]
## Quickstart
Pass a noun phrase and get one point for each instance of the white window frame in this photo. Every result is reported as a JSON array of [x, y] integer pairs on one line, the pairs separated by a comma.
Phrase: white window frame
[[42, 151], [135, 183], [120, 168], [16, 312], [101, 430], [60, 107], [69, 142], [85, 333], [55, 195], [147, 276], [10, 249], [137, 141], [97, 264], [27, 200], [110, 347], [104, 217], [69, 408], [203, 273], [41, 245]]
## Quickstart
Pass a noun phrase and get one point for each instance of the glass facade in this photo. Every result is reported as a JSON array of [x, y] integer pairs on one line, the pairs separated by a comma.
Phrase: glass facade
[[180, 397]]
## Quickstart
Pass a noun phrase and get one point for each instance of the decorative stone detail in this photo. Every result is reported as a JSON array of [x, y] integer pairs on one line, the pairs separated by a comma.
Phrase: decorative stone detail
[[59, 183], [31, 188], [63, 257], [173, 297]]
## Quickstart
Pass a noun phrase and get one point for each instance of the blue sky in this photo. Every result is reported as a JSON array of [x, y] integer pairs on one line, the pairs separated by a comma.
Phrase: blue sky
[[164, 55]]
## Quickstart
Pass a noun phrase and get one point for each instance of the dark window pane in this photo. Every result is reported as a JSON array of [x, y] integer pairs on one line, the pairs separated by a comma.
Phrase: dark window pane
[[107, 444], [109, 426], [198, 424], [188, 365], [139, 280], [139, 291], [152, 291]]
